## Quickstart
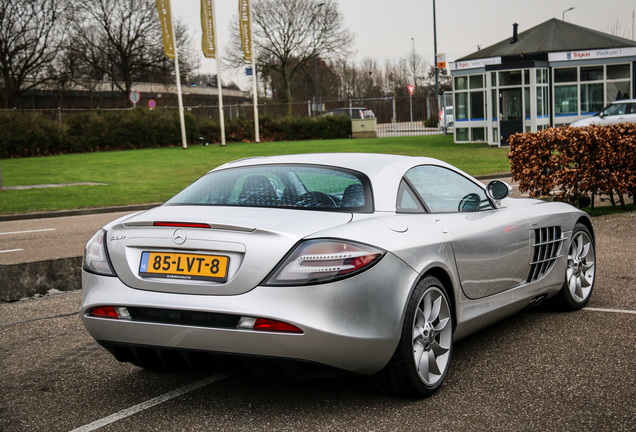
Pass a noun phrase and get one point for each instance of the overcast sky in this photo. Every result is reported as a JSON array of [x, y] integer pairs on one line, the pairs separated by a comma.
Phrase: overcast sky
[[384, 28]]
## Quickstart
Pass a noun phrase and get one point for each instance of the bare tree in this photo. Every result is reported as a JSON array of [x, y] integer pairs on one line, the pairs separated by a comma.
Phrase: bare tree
[[616, 29], [445, 81], [122, 39], [288, 34], [417, 70], [396, 78], [31, 33], [189, 58], [371, 78]]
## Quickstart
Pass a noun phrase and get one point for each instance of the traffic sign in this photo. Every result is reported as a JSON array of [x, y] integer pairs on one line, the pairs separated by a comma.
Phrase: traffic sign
[[411, 89], [441, 61], [134, 96], [151, 104]]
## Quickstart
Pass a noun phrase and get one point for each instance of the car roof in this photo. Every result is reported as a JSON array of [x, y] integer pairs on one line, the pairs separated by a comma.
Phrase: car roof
[[624, 101], [368, 163]]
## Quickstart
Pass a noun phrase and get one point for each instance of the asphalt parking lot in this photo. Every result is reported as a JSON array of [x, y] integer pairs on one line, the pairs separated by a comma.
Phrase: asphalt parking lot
[[539, 370]]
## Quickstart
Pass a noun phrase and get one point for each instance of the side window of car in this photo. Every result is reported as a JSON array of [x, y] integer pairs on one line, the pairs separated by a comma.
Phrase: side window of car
[[631, 108], [445, 191], [407, 202], [616, 109]]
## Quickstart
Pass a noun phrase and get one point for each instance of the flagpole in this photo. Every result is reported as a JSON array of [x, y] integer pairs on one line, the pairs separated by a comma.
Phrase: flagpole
[[176, 68], [256, 131], [218, 78]]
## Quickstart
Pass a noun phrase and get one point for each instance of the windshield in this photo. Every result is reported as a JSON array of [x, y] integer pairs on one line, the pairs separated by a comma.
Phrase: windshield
[[285, 186]]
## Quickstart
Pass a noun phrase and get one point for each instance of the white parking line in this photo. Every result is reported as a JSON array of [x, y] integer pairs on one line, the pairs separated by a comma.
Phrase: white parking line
[[610, 310], [11, 250], [148, 404], [29, 231]]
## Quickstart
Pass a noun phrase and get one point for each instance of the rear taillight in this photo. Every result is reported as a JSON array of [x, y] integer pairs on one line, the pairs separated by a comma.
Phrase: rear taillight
[[267, 325], [181, 225], [96, 256], [320, 261], [112, 312]]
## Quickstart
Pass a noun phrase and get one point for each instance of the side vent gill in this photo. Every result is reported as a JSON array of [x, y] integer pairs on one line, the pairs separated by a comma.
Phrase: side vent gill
[[547, 249]]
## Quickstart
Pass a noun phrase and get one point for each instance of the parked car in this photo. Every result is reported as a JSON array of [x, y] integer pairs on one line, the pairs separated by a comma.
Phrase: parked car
[[446, 117], [621, 111], [355, 112], [329, 264]]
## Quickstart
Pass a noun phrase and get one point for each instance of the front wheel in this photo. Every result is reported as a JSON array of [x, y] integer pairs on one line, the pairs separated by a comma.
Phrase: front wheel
[[580, 272], [421, 360]]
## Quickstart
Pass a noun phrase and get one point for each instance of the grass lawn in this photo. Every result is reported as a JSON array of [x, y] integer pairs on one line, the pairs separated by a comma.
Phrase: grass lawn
[[154, 175]]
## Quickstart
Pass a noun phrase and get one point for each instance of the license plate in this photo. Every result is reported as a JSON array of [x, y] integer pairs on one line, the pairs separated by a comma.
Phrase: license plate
[[184, 266]]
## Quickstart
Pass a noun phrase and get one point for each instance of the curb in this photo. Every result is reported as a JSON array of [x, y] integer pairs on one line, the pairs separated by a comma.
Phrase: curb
[[39, 277], [79, 212]]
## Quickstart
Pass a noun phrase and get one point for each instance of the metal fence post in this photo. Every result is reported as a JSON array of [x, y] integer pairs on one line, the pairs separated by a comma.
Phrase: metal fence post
[[394, 119]]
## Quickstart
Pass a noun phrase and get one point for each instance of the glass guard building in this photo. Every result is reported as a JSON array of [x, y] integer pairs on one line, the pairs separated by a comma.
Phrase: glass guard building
[[551, 75]]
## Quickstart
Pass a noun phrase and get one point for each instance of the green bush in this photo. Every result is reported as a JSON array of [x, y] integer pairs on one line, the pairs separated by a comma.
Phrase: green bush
[[29, 134], [431, 122], [32, 134]]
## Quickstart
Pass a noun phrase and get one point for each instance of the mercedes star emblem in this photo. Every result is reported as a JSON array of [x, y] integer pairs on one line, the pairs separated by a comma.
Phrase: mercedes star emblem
[[179, 236]]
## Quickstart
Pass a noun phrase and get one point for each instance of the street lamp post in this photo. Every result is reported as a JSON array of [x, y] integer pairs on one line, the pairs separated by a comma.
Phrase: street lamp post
[[563, 14], [414, 80], [435, 42]]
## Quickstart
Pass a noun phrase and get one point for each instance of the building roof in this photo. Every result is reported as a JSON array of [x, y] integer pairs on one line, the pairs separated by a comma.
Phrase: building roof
[[553, 35]]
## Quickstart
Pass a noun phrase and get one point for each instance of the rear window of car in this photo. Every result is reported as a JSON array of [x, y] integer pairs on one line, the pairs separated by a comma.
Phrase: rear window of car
[[314, 187]]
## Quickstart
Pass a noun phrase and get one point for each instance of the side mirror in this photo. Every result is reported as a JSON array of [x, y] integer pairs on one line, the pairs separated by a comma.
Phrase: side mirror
[[498, 190], [601, 115]]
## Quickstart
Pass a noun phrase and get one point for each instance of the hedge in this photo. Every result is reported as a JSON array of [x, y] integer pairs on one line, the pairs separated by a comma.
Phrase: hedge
[[580, 162], [24, 134]]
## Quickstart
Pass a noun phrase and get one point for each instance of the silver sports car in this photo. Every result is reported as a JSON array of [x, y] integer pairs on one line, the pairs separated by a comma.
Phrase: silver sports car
[[323, 264]]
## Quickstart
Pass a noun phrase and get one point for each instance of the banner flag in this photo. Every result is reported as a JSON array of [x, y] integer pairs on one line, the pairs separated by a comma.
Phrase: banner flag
[[163, 7], [246, 30], [208, 44]]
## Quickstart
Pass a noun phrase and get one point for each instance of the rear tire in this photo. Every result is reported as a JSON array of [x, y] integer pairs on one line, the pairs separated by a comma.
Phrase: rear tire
[[420, 362], [580, 272]]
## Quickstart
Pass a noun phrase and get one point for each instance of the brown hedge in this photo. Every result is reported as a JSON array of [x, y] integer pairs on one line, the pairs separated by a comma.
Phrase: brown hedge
[[580, 162]]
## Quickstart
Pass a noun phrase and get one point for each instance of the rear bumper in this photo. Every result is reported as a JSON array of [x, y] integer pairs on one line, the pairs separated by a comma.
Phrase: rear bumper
[[353, 324]]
